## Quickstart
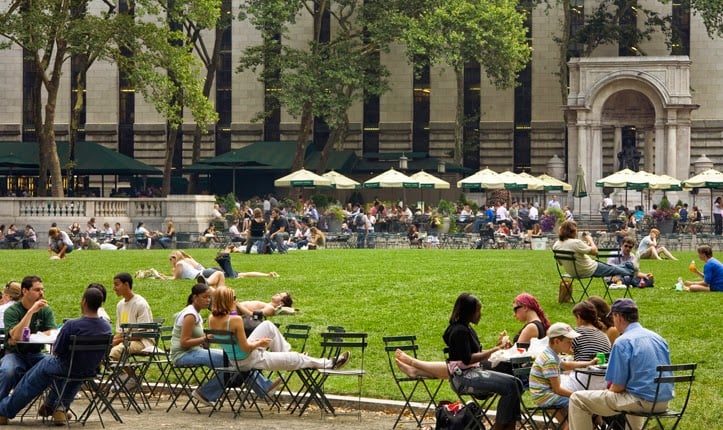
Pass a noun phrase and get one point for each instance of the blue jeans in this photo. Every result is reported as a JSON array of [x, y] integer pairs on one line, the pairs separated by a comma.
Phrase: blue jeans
[[212, 389], [479, 381], [12, 367], [49, 370], [625, 269]]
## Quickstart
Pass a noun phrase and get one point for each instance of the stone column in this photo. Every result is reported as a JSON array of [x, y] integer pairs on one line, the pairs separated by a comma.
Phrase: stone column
[[617, 146], [649, 148], [659, 148], [671, 149]]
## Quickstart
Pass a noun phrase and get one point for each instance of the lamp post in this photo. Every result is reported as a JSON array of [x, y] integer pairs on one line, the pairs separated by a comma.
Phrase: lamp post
[[403, 162], [441, 167]]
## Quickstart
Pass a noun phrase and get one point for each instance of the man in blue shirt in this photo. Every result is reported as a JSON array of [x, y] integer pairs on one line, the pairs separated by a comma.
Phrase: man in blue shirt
[[630, 375], [52, 368], [712, 272]]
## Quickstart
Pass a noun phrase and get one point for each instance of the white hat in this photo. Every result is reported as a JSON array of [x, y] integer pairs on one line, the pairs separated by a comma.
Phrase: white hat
[[562, 329]]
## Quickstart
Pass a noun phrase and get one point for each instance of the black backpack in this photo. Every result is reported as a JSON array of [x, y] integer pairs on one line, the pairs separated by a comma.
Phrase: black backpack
[[359, 220]]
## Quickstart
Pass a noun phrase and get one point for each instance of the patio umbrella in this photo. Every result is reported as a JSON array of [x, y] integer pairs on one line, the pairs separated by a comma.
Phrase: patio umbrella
[[392, 179], [427, 180], [485, 178], [302, 178], [341, 182], [580, 189], [711, 178], [554, 184], [627, 179]]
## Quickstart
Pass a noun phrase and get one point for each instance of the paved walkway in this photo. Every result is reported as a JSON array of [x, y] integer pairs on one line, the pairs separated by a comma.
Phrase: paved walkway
[[377, 415]]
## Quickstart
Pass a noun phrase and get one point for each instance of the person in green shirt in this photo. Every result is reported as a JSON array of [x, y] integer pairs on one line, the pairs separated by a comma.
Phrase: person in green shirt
[[31, 311]]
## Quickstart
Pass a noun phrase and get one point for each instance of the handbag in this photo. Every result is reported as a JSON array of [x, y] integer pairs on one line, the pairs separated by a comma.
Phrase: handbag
[[251, 322], [457, 416], [564, 294]]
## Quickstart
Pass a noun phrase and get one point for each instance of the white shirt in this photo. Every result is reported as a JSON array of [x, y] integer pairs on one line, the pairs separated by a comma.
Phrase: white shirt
[[502, 214], [233, 231], [553, 204], [533, 213]]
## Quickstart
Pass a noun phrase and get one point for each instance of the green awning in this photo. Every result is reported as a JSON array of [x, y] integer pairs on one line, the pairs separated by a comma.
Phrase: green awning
[[90, 159]]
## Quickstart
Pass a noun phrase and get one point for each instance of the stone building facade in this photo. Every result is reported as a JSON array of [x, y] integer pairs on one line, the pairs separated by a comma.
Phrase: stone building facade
[[672, 105]]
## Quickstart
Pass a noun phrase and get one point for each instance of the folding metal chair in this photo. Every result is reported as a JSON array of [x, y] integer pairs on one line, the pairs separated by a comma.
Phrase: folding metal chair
[[84, 373], [682, 377], [431, 386], [297, 335], [179, 380], [484, 401], [333, 343], [584, 281], [234, 380], [603, 255], [521, 367]]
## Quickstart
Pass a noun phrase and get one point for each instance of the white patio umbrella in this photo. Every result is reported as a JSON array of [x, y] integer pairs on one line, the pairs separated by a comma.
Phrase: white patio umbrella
[[302, 178], [627, 179], [554, 184], [427, 180], [710, 178], [485, 178], [341, 182], [392, 179]]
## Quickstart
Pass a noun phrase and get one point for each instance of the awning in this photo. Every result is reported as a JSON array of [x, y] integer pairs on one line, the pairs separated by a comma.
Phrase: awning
[[90, 159]]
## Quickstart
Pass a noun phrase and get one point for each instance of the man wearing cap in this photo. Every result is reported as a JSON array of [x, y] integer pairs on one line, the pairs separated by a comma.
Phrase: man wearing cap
[[545, 375], [11, 294], [32, 311], [630, 375]]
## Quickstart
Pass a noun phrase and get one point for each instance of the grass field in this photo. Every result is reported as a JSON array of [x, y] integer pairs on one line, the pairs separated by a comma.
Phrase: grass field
[[404, 291]]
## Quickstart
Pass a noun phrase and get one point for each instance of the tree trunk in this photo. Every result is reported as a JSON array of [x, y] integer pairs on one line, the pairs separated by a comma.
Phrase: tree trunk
[[302, 139], [459, 117], [47, 142], [171, 131], [337, 136], [211, 68]]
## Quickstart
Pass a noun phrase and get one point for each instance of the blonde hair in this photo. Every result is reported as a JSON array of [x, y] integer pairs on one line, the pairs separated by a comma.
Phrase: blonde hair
[[224, 301]]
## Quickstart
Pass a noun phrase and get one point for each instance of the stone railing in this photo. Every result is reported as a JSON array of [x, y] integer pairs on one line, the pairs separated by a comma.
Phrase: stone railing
[[189, 213]]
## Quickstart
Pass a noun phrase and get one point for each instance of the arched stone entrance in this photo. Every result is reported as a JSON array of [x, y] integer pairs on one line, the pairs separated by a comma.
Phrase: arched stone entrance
[[646, 99]]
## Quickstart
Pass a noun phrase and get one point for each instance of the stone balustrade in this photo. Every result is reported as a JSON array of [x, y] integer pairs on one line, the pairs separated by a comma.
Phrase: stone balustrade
[[189, 213]]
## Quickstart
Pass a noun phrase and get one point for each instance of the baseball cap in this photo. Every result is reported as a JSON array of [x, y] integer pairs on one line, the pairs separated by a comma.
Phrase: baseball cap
[[562, 329], [622, 306], [12, 289]]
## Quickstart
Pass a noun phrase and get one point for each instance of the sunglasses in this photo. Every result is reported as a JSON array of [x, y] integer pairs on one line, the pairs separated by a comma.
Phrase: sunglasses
[[517, 308]]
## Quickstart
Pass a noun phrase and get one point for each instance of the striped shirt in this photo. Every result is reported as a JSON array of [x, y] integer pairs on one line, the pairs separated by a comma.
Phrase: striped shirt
[[546, 366], [591, 342]]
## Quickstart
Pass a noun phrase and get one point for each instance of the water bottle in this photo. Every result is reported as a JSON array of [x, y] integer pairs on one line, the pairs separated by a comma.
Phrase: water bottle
[[679, 285], [692, 266]]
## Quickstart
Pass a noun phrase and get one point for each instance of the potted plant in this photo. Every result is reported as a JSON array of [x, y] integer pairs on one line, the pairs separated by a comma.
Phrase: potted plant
[[334, 216], [552, 217], [446, 209], [664, 216]]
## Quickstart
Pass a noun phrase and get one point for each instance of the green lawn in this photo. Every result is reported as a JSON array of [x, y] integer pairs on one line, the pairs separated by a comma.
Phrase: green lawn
[[405, 291]]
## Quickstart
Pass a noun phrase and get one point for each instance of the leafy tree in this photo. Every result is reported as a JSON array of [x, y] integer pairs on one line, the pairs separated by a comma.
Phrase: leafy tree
[[457, 32], [324, 78], [51, 32]]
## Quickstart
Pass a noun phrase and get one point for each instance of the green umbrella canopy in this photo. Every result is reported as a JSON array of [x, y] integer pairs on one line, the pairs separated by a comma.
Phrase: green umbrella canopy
[[580, 189], [90, 158]]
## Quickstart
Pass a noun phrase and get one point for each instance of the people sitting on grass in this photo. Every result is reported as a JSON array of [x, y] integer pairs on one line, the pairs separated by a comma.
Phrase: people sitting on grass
[[59, 243], [649, 249], [712, 272], [626, 255], [317, 238]]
